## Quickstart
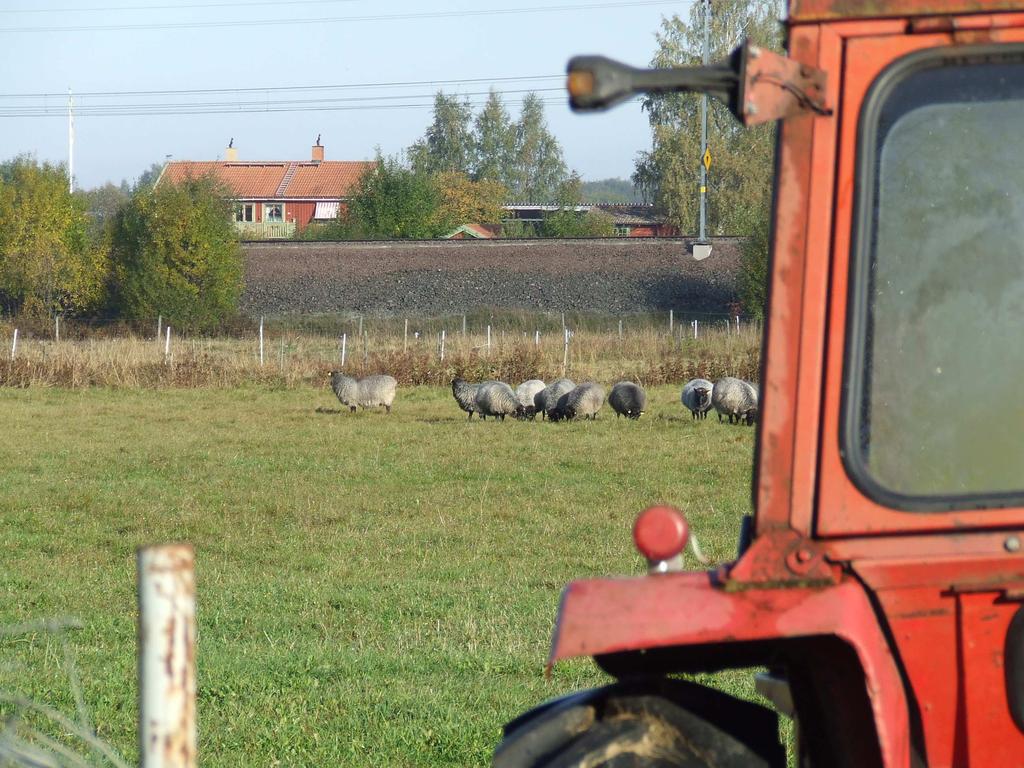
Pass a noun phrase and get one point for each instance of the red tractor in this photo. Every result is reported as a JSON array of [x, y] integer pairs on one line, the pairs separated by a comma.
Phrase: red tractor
[[881, 579]]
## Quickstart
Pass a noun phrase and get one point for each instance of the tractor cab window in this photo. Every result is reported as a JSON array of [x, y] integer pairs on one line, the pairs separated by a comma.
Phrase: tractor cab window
[[934, 397]]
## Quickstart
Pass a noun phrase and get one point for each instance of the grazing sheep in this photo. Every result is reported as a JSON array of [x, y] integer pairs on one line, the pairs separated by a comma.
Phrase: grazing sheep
[[465, 395], [547, 399], [697, 397], [526, 394], [736, 399], [364, 393], [496, 398], [627, 399], [585, 400]]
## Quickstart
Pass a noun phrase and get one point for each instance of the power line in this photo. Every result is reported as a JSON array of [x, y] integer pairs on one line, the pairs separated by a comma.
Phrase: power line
[[349, 19], [235, 106], [191, 110], [284, 88], [275, 3]]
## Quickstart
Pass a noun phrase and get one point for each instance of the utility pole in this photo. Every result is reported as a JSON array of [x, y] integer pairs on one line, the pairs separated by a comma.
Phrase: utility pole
[[702, 248], [705, 155], [71, 143]]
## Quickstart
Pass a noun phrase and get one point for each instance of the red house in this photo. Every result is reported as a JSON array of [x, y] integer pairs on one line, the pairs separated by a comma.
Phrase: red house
[[274, 198]]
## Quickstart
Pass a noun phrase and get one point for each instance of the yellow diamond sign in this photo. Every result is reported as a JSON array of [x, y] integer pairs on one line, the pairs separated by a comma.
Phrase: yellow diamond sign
[[707, 158]]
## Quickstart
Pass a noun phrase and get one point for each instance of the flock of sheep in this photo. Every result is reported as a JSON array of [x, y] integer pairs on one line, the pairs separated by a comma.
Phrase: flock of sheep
[[563, 399]]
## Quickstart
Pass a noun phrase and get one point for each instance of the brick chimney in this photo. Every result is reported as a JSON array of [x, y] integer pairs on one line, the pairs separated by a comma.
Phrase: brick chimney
[[318, 151]]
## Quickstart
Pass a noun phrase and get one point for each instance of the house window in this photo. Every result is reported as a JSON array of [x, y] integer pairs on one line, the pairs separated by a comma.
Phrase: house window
[[622, 231], [244, 212], [273, 212]]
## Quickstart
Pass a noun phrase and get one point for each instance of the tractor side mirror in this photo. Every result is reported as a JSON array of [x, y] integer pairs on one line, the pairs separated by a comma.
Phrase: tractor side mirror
[[756, 84]]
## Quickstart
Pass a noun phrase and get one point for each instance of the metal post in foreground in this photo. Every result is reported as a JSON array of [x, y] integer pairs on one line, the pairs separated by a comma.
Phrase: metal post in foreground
[[167, 656]]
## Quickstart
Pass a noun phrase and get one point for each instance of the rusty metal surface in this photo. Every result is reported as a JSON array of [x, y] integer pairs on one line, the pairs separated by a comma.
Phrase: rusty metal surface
[[775, 87], [167, 661], [603, 616], [801, 11]]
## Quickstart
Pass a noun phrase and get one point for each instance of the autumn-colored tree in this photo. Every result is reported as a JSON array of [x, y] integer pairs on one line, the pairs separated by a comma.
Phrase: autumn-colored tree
[[47, 263], [463, 200], [176, 253]]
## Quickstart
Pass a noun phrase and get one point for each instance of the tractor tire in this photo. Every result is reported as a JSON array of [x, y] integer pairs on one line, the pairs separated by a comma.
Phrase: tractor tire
[[644, 724]]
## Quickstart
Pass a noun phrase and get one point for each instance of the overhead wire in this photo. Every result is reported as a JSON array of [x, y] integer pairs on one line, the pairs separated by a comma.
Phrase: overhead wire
[[281, 88], [339, 19], [176, 6]]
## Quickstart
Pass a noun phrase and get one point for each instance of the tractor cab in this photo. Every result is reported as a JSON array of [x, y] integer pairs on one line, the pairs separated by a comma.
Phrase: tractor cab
[[881, 578]]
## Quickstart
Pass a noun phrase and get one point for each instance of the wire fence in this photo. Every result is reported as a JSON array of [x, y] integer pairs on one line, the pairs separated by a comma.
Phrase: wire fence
[[292, 350]]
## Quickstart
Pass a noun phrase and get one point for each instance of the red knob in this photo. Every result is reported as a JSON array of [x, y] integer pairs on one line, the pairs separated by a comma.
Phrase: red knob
[[661, 532]]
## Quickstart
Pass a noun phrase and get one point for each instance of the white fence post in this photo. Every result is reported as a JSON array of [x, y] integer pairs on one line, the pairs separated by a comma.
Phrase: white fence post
[[565, 352], [167, 656], [442, 345], [405, 337], [159, 327], [261, 340], [463, 325], [488, 339], [56, 328], [14, 344], [344, 343], [737, 323], [671, 322], [536, 338], [620, 329], [695, 329], [167, 345]]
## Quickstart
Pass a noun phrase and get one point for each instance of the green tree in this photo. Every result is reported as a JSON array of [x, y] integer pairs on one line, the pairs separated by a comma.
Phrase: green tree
[[395, 201], [740, 178], [149, 177], [448, 144], [101, 205], [47, 263], [494, 142], [538, 166], [176, 253], [570, 220], [753, 277]]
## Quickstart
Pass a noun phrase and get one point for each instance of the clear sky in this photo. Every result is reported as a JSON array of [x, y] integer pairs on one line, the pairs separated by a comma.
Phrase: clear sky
[[47, 46]]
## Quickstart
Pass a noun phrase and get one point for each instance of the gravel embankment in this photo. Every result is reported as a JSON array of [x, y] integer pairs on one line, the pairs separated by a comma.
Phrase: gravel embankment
[[455, 276]]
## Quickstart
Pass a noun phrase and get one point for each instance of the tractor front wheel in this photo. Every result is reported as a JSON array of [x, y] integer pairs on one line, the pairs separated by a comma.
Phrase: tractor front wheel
[[644, 724]]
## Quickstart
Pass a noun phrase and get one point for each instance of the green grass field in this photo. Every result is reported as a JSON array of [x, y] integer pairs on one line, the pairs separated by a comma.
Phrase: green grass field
[[373, 590]]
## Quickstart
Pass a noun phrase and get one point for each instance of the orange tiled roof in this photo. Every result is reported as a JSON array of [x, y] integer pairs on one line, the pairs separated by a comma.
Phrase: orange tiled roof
[[328, 179]]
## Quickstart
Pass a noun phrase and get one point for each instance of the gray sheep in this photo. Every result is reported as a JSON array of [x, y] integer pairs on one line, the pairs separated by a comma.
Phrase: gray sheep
[[736, 399], [627, 399], [547, 399], [697, 397], [496, 398], [465, 395], [526, 394], [585, 400], [364, 393]]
